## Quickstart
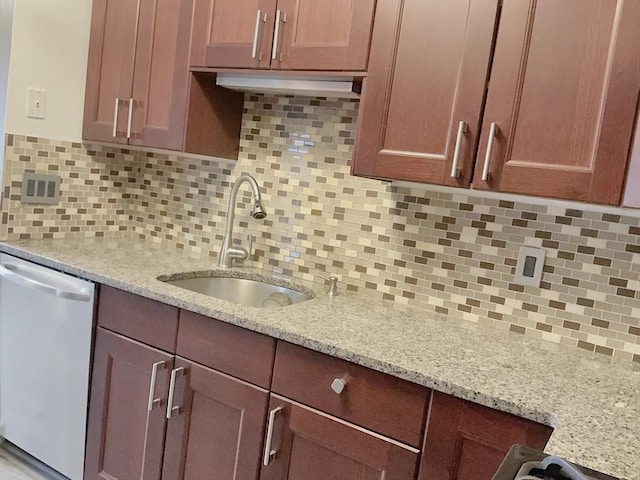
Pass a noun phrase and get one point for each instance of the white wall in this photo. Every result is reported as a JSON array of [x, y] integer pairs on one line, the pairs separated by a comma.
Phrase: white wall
[[6, 20], [49, 49]]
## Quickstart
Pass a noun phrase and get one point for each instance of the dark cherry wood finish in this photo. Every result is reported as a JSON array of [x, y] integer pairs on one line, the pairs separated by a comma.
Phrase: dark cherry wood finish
[[632, 190], [326, 35], [139, 318], [223, 33], [374, 400], [219, 429], [214, 118], [233, 350], [110, 69], [563, 92], [139, 53], [161, 73], [427, 73], [466, 441], [311, 445], [331, 35], [124, 439]]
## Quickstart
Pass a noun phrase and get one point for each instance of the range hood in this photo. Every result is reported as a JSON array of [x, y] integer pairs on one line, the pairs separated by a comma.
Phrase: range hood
[[306, 86]]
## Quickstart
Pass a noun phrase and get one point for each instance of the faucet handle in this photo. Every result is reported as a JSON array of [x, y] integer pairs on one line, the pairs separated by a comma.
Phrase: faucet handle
[[333, 284]]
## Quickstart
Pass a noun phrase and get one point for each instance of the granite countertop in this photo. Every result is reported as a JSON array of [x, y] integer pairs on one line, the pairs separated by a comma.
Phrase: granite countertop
[[593, 404]]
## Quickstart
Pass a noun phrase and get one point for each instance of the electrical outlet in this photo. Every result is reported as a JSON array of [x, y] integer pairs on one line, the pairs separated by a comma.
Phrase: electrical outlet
[[36, 103], [529, 266]]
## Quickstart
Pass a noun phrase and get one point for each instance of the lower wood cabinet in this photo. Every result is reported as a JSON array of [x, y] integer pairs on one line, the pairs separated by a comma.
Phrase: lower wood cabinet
[[261, 409], [125, 437], [216, 427], [213, 422], [466, 441], [306, 444]]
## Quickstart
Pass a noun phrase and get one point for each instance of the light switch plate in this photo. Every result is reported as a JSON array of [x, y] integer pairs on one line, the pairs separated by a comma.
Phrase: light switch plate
[[37, 188], [36, 103], [529, 266]]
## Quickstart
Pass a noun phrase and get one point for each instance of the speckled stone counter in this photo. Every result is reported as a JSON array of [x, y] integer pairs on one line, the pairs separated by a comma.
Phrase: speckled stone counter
[[593, 405]]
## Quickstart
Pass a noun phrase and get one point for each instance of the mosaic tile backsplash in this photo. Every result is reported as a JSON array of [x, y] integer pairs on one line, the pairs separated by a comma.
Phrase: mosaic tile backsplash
[[453, 253]]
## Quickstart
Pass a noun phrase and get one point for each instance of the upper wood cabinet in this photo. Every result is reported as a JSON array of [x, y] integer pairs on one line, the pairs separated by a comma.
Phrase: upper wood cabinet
[[282, 34], [137, 75], [562, 99], [139, 88], [561, 95], [632, 189], [422, 99]]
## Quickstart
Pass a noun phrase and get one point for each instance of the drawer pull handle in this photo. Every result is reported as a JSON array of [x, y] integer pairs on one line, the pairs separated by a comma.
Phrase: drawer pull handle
[[152, 388], [172, 390], [268, 452], [338, 385]]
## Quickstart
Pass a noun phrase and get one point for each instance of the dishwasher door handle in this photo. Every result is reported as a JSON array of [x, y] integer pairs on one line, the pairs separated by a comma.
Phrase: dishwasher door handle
[[11, 273]]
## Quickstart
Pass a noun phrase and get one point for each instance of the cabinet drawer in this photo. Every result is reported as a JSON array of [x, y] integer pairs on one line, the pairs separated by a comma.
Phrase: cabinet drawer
[[371, 399], [145, 320], [230, 349]]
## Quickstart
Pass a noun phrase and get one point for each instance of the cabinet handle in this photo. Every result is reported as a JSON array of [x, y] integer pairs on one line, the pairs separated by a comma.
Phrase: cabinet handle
[[115, 118], [260, 17], [152, 388], [455, 171], [172, 390], [268, 453], [493, 131], [338, 385], [280, 17], [130, 118]]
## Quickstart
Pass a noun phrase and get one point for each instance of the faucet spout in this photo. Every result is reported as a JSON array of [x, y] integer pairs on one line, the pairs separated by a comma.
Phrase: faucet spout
[[228, 253]]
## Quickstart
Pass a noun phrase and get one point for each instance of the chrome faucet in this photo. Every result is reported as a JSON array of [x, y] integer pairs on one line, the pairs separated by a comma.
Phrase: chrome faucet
[[229, 253]]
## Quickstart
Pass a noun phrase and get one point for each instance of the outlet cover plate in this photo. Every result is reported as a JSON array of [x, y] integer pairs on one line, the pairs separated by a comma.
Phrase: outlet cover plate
[[529, 266]]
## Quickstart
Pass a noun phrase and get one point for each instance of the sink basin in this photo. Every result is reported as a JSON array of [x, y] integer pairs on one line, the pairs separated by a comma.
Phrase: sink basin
[[244, 291]]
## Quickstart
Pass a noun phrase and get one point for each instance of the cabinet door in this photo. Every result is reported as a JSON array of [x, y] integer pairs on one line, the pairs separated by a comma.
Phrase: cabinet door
[[218, 427], [233, 33], [326, 35], [632, 189], [424, 91], [466, 441], [110, 70], [161, 73], [306, 444], [562, 99], [126, 426]]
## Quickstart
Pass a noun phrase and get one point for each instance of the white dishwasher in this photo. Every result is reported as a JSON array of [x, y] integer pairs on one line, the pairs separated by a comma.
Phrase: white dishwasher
[[46, 323]]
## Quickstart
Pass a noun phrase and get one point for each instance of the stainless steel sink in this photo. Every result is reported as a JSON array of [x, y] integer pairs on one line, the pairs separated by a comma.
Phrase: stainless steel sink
[[244, 291]]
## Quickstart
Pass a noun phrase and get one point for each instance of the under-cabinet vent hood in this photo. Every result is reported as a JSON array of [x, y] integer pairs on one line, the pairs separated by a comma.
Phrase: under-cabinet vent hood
[[339, 87]]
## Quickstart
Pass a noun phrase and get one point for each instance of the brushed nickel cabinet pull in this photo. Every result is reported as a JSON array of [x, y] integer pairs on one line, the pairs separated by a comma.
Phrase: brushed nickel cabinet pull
[[172, 391], [260, 18], [493, 131], [130, 118], [268, 452], [152, 388], [115, 118], [280, 17], [455, 171]]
